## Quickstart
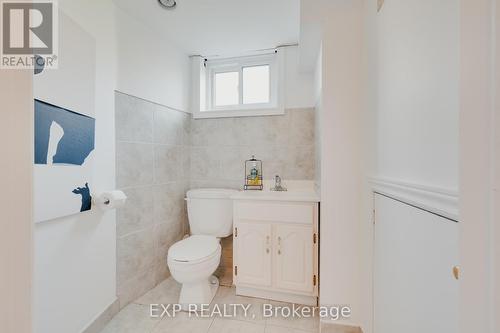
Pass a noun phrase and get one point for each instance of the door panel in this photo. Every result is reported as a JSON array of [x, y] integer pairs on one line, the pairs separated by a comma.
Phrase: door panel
[[293, 257], [414, 288], [253, 254]]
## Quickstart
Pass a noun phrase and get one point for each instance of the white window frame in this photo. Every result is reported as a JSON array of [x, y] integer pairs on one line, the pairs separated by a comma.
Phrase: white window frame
[[207, 80]]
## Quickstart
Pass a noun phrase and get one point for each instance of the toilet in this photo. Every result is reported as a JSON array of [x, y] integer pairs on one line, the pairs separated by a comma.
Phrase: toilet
[[193, 260]]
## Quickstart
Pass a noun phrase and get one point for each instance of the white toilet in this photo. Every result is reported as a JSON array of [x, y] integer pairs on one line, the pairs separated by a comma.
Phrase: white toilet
[[193, 260]]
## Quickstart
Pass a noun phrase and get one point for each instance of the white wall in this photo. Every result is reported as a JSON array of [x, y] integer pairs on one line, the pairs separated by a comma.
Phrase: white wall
[[411, 106], [418, 73], [340, 133], [391, 113], [75, 257], [149, 66], [299, 85]]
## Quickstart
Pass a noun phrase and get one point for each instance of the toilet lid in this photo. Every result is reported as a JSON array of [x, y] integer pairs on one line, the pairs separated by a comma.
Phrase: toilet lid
[[193, 248]]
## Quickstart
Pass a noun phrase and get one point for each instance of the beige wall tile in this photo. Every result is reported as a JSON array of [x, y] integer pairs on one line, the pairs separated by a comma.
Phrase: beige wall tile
[[133, 119], [155, 178], [137, 214], [168, 163], [205, 132], [134, 164], [168, 126], [135, 253], [231, 163], [168, 202], [302, 127], [301, 162], [281, 142], [205, 163]]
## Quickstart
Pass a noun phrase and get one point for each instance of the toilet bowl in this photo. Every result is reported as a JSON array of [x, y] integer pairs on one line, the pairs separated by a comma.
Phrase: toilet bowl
[[193, 260]]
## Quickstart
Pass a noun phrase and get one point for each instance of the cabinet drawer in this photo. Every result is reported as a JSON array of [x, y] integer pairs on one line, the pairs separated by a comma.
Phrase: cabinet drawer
[[289, 212]]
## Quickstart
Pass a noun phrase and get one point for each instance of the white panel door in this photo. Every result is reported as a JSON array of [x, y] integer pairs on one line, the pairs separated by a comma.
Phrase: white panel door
[[414, 288], [293, 258], [253, 254]]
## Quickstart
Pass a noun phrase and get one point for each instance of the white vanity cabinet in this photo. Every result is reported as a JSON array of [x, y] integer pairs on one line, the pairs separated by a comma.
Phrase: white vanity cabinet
[[276, 250]]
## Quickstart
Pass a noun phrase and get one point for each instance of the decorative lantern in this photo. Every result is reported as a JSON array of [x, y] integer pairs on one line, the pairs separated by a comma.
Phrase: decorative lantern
[[253, 174]]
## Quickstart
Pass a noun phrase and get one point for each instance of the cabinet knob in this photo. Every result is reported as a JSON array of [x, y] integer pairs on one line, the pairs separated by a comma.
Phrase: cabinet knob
[[456, 272]]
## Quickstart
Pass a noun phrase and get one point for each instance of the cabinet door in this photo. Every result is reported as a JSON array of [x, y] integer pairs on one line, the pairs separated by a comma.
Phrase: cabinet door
[[293, 258], [253, 254], [414, 254]]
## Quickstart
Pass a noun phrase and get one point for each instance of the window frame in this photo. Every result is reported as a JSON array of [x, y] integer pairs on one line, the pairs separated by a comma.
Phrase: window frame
[[237, 64]]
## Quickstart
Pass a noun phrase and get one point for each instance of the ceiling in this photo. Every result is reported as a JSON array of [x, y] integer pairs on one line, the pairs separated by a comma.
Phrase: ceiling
[[221, 27]]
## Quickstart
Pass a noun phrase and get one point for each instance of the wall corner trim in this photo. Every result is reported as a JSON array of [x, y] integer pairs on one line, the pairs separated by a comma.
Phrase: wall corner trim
[[441, 201]]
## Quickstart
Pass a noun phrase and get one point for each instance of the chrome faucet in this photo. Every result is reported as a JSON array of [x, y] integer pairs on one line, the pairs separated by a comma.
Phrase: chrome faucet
[[277, 185]]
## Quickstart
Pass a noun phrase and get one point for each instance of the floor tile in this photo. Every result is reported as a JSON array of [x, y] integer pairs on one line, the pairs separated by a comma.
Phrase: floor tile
[[226, 295], [134, 318], [221, 325], [281, 329], [293, 322], [183, 323], [167, 292]]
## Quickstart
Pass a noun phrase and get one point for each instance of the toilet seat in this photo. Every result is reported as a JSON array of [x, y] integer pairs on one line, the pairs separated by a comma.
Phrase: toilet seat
[[194, 249]]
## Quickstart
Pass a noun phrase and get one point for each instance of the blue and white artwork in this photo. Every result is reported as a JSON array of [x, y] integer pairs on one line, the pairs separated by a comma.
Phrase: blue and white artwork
[[64, 146]]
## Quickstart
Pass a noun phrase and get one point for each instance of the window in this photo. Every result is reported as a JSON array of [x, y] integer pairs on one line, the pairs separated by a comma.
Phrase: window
[[256, 84], [243, 86], [226, 88]]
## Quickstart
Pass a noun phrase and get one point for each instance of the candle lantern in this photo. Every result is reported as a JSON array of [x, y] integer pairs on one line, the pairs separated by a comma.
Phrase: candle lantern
[[253, 174]]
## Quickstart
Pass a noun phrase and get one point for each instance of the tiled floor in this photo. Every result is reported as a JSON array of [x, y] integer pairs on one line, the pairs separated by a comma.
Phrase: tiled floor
[[135, 318]]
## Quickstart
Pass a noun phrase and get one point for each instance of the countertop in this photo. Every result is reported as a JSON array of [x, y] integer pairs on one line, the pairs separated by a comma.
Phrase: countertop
[[303, 191]]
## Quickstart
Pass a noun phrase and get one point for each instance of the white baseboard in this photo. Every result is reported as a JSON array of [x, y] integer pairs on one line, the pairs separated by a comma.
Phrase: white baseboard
[[436, 200]]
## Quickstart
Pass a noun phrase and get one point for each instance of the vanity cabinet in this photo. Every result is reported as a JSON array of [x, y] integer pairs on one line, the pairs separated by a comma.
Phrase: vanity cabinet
[[276, 250], [293, 258], [254, 249]]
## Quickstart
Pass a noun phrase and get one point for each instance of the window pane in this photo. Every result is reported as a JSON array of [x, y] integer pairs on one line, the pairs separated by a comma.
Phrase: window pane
[[256, 84], [226, 88]]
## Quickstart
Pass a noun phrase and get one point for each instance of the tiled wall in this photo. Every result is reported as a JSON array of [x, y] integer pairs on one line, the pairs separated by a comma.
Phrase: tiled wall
[[161, 153], [152, 168], [285, 144]]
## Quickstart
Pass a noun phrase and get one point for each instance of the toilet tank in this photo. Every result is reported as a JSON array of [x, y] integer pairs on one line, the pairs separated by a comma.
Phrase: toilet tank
[[210, 211]]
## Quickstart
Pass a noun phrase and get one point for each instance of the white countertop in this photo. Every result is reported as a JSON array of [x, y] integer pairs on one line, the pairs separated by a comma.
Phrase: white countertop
[[300, 190]]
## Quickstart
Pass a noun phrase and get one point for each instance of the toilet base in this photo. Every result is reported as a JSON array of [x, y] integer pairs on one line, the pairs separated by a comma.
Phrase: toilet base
[[195, 294]]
